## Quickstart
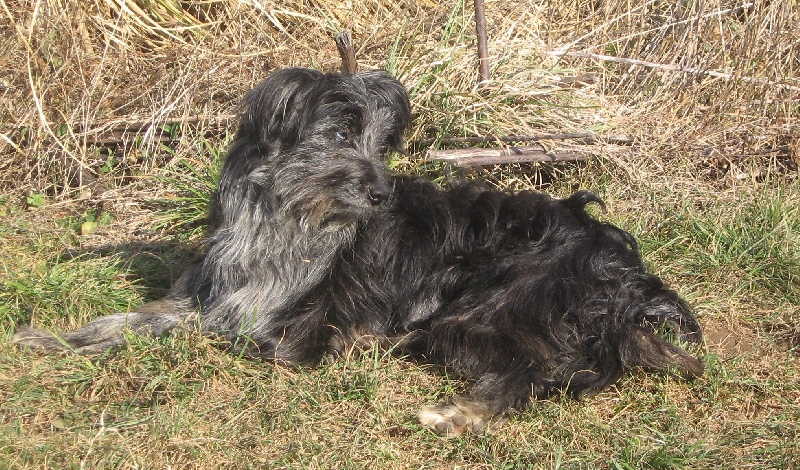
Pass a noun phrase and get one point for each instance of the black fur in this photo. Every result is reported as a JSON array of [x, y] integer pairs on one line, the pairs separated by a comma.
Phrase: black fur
[[313, 246]]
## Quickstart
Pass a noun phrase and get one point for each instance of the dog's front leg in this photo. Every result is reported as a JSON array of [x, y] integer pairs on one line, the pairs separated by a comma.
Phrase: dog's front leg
[[484, 408]]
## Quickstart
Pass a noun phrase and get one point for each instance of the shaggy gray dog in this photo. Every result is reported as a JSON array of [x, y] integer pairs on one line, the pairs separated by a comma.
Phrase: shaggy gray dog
[[312, 247]]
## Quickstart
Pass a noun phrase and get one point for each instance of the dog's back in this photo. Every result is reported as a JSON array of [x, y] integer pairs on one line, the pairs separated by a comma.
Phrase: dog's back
[[518, 271], [521, 294]]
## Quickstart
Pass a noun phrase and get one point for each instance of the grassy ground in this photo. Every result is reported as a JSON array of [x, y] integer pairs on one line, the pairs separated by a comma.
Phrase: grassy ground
[[113, 120]]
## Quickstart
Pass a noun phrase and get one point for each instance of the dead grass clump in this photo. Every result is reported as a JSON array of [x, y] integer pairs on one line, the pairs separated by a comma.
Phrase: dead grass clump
[[78, 74], [716, 80]]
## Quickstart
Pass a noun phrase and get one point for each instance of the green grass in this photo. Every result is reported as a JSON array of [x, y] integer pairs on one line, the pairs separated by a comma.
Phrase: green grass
[[191, 183], [181, 401], [708, 186], [44, 279], [142, 406]]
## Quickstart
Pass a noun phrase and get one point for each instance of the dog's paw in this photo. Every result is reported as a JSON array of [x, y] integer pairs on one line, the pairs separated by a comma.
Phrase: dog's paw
[[456, 418]]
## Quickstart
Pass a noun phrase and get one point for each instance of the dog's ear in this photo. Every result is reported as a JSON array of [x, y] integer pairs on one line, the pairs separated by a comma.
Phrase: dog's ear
[[273, 110], [391, 94]]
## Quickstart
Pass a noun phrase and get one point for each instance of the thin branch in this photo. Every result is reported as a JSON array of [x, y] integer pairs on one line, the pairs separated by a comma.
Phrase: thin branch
[[10, 142], [585, 136], [692, 19], [679, 69], [122, 132], [605, 25], [494, 156], [97, 134]]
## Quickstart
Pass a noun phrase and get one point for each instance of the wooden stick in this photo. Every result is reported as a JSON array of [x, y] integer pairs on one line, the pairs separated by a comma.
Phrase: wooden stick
[[493, 156], [344, 43], [586, 136], [676, 68], [483, 47]]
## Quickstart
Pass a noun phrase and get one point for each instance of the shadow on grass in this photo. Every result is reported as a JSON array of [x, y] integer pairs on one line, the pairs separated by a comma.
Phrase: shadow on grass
[[154, 266]]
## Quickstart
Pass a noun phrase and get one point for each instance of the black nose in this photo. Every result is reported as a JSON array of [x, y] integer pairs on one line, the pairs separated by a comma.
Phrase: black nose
[[377, 194]]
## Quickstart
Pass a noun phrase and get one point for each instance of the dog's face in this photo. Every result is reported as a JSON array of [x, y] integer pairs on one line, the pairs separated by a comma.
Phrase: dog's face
[[325, 137]]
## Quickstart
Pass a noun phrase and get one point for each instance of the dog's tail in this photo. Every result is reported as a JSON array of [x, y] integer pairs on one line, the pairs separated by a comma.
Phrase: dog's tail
[[641, 347], [105, 332], [649, 336], [636, 347], [644, 339]]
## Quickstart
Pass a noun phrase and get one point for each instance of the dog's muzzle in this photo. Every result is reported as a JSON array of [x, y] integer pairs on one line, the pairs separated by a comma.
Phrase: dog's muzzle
[[377, 193]]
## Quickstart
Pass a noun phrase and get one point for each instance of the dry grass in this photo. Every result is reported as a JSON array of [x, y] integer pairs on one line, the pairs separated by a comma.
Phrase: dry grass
[[114, 116]]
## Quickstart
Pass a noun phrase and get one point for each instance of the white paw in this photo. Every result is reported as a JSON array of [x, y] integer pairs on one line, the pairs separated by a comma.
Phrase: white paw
[[453, 419]]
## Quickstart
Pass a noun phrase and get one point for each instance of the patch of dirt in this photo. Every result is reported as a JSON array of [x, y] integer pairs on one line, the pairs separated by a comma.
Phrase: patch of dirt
[[729, 340]]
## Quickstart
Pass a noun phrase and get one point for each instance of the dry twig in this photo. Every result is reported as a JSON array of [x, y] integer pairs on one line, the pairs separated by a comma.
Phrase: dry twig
[[677, 68], [494, 156], [588, 137]]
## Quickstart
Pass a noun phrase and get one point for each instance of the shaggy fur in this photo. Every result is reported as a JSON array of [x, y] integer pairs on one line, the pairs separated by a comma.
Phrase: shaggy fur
[[312, 246]]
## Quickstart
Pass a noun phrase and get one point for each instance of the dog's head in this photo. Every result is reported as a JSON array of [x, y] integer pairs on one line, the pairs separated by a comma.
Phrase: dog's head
[[323, 138]]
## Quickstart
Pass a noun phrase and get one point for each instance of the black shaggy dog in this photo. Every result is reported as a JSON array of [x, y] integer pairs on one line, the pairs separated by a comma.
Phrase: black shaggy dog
[[313, 246]]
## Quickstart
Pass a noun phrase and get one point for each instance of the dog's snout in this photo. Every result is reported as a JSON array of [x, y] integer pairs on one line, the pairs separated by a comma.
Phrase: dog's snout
[[377, 193], [373, 183]]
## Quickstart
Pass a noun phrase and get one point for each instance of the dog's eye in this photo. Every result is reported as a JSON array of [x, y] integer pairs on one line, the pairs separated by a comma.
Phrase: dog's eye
[[342, 136]]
